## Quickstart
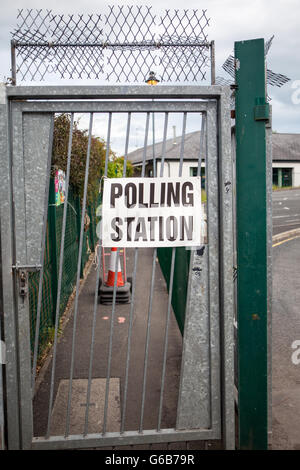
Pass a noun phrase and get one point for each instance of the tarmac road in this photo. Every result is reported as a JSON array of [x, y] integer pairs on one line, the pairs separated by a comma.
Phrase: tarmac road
[[286, 210], [285, 338]]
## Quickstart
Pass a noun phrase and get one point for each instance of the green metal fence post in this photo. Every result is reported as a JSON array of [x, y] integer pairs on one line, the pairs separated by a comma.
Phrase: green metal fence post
[[251, 116], [53, 245]]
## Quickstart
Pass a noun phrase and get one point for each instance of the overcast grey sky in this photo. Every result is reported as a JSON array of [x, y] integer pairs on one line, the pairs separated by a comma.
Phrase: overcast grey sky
[[230, 21]]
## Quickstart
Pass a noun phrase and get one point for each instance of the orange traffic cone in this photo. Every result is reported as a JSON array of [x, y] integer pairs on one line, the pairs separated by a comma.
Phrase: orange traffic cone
[[111, 273]]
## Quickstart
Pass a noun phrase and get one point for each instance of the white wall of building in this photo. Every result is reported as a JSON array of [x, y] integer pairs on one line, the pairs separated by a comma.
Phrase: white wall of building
[[295, 172], [171, 168]]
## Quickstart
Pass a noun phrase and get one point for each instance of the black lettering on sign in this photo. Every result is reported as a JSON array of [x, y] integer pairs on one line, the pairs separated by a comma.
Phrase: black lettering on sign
[[140, 231], [114, 226], [173, 195], [130, 195], [129, 221], [161, 229], [152, 195], [115, 192], [187, 198], [186, 228], [162, 194], [152, 221], [171, 228], [142, 203]]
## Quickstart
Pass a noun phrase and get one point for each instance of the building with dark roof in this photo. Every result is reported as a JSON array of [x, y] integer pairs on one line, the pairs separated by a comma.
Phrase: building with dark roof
[[285, 156], [286, 159], [168, 160]]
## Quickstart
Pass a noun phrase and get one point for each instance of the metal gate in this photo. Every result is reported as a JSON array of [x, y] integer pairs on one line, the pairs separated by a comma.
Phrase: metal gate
[[203, 405]]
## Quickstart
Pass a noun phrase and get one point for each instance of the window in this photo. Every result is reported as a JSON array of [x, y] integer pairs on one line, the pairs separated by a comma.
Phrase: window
[[282, 177], [275, 176], [193, 172]]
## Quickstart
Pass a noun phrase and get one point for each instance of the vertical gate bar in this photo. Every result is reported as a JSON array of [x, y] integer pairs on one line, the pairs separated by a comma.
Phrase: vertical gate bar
[[269, 267], [166, 337], [202, 143], [251, 245], [13, 62], [133, 292], [170, 286], [22, 304], [40, 294], [152, 280], [114, 293], [53, 246], [182, 143], [147, 339], [163, 154], [226, 271], [126, 144], [129, 340], [98, 247], [27, 144], [86, 177], [147, 336], [9, 308], [110, 344], [213, 228], [153, 144], [212, 63], [88, 395], [145, 145], [107, 143], [62, 245], [199, 390]]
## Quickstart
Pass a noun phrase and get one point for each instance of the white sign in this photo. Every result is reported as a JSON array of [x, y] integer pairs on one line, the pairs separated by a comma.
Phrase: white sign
[[151, 212]]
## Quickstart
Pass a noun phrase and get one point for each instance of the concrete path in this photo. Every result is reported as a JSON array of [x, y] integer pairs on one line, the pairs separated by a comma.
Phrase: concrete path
[[83, 335]]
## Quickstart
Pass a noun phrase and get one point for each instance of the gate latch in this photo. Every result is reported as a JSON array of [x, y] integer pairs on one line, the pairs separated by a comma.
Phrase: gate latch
[[23, 284], [261, 110], [22, 271]]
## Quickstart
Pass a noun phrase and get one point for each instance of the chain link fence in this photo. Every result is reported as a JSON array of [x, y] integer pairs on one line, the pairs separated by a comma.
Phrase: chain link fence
[[120, 45]]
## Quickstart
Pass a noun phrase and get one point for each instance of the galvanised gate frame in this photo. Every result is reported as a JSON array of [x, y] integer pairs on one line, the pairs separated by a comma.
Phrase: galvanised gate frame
[[207, 379]]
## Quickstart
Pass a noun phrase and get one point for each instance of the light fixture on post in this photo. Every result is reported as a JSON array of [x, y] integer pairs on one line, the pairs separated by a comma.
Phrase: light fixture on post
[[152, 80]]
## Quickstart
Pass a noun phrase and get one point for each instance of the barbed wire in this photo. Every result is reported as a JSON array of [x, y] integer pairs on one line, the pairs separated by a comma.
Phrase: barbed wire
[[121, 45]]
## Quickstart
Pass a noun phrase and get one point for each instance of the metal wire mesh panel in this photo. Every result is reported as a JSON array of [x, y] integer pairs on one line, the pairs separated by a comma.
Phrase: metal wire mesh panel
[[121, 45]]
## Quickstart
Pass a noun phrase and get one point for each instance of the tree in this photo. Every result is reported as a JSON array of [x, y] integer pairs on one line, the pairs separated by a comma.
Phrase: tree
[[115, 168], [78, 156]]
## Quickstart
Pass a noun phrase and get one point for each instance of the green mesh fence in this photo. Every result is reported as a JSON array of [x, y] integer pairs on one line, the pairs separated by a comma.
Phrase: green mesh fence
[[46, 320], [181, 276], [51, 263]]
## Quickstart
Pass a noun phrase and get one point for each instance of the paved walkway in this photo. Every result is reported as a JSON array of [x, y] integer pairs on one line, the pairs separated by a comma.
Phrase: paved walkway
[[118, 363]]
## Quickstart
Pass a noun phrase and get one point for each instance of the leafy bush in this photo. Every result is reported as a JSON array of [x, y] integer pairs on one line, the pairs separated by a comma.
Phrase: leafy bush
[[78, 157]]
